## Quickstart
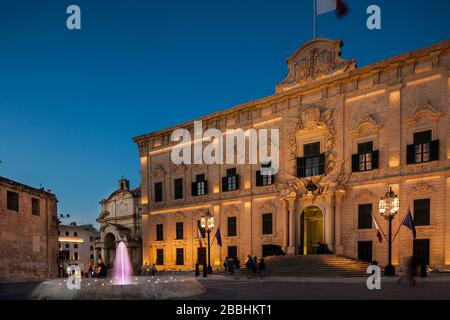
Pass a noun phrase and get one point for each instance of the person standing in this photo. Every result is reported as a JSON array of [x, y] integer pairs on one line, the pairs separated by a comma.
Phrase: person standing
[[262, 268], [237, 267]]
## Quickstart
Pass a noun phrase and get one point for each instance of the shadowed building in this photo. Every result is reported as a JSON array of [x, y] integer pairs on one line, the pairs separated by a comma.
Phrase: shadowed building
[[28, 232], [347, 135]]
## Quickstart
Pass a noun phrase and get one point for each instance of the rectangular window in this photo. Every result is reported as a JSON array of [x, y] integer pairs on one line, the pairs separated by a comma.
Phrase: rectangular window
[[421, 250], [75, 234], [67, 233], [35, 207], [180, 257], [178, 183], [159, 257], [75, 255], [365, 156], [92, 257], [200, 186], [267, 223], [232, 251], [365, 216], [179, 231], [13, 201], [67, 245], [423, 149], [365, 251], [92, 248], [312, 163], [422, 212], [75, 246], [231, 226], [158, 192], [231, 181], [159, 232]]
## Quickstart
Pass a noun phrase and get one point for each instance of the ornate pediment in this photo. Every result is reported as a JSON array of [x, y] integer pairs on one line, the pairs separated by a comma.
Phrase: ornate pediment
[[179, 168], [423, 110], [158, 172], [317, 59], [365, 126], [422, 188]]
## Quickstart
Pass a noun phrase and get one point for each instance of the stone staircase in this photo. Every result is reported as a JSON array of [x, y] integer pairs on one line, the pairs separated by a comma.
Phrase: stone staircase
[[315, 266]]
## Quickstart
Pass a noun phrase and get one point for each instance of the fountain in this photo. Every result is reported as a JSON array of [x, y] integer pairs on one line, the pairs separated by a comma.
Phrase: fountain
[[122, 265], [122, 286]]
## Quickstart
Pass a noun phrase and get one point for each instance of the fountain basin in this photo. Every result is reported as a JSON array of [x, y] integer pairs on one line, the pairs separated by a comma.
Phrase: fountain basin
[[141, 288]]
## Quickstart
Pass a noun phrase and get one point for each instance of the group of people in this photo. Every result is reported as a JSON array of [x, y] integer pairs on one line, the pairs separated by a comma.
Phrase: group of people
[[147, 270], [233, 265]]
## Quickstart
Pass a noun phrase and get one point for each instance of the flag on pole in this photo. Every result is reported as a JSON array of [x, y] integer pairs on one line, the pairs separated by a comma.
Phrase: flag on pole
[[379, 236], [409, 222], [324, 6], [200, 237], [218, 237]]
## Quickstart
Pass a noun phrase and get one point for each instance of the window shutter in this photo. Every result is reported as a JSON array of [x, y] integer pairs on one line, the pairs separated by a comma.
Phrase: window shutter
[[224, 184], [410, 154], [206, 186], [434, 150], [322, 163], [300, 167], [194, 189], [238, 182], [355, 163], [273, 179], [375, 157], [258, 178]]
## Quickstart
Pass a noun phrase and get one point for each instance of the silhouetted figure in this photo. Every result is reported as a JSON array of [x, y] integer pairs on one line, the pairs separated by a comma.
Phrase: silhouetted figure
[[101, 269]]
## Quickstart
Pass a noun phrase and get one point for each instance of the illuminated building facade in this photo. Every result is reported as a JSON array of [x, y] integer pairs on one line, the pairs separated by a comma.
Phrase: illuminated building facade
[[347, 135]]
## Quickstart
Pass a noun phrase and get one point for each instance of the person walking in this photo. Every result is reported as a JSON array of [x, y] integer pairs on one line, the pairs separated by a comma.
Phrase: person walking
[[262, 268], [255, 266], [237, 267], [249, 266], [225, 265]]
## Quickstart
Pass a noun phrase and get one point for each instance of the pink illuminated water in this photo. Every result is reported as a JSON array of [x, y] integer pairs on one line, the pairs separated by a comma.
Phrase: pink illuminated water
[[122, 265]]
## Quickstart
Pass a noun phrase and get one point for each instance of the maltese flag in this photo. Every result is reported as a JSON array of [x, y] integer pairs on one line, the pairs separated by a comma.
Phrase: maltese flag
[[324, 6]]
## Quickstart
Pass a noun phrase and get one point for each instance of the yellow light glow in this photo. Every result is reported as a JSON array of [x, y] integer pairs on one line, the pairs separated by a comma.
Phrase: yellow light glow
[[144, 200], [216, 189], [180, 208], [247, 184], [216, 209], [247, 205], [373, 185], [232, 202], [70, 239], [424, 80], [263, 123], [265, 198], [422, 179], [394, 98], [394, 161], [365, 96]]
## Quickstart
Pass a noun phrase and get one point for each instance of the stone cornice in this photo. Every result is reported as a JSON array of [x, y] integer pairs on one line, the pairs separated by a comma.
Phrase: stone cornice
[[345, 77]]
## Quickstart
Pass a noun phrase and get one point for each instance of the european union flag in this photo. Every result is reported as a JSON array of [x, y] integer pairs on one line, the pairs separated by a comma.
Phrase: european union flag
[[218, 237], [409, 222]]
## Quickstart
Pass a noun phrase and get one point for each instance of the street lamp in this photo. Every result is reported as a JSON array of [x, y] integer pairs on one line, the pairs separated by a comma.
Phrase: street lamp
[[388, 207], [207, 223]]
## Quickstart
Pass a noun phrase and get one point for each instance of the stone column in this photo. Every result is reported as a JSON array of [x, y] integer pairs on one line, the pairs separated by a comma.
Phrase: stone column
[[338, 223], [329, 222], [286, 225], [103, 251], [292, 245]]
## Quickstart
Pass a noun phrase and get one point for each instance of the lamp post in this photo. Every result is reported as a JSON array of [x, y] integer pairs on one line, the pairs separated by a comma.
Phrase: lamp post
[[388, 207], [207, 223]]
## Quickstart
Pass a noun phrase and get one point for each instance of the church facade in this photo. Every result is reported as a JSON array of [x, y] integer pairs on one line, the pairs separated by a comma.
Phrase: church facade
[[347, 135], [119, 220]]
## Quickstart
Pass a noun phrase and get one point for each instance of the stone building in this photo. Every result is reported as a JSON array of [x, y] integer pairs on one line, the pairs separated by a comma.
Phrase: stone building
[[28, 232], [347, 135], [76, 244], [119, 219]]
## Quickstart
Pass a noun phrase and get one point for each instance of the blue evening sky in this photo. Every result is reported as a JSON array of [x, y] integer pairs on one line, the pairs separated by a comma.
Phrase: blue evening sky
[[71, 101]]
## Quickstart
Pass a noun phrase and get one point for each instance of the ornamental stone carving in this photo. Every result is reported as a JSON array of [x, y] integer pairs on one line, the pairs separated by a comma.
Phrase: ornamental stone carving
[[421, 189], [317, 59], [365, 126], [158, 172], [423, 110]]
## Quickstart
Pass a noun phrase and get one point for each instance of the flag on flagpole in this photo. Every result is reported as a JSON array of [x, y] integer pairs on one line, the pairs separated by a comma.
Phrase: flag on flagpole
[[409, 222], [324, 6], [200, 237], [218, 237], [379, 236]]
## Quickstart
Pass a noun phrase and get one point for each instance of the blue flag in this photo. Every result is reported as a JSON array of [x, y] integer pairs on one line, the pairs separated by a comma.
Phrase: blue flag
[[409, 222], [218, 237]]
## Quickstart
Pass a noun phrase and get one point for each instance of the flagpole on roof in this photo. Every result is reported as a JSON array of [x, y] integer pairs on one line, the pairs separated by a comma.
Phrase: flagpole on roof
[[314, 19]]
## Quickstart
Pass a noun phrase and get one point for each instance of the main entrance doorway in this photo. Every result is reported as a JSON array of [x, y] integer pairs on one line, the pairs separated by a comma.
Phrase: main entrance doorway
[[311, 230]]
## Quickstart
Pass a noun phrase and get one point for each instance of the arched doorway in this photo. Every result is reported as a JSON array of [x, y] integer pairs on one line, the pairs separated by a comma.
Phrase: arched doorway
[[110, 249], [311, 230]]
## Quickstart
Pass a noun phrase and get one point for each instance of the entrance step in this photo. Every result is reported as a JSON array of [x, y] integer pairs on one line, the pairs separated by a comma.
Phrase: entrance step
[[315, 266]]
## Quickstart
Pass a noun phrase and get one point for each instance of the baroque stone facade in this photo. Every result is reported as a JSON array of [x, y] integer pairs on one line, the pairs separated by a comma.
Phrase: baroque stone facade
[[28, 232], [371, 128], [119, 220]]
